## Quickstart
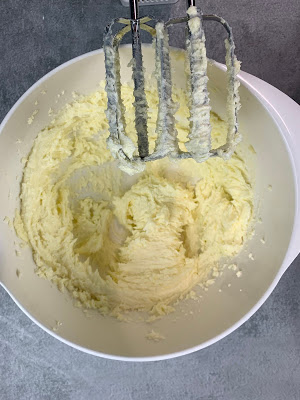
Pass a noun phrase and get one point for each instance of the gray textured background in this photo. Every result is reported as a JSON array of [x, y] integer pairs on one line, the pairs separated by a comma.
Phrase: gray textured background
[[261, 360]]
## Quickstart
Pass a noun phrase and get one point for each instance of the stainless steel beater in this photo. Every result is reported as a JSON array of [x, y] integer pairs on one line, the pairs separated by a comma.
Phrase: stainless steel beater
[[199, 138]]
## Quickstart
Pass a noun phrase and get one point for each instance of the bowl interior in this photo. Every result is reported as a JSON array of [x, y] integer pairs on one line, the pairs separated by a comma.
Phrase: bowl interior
[[196, 322]]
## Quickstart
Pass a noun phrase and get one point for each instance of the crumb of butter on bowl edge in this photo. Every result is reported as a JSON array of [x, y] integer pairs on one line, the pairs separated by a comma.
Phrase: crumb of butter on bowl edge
[[31, 118], [118, 243], [155, 336]]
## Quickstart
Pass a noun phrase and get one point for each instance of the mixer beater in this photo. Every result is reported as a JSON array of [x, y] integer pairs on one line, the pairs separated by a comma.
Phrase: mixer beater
[[198, 145]]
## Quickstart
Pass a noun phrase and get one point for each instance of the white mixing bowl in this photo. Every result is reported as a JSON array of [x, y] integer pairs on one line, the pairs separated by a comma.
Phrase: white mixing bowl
[[269, 120]]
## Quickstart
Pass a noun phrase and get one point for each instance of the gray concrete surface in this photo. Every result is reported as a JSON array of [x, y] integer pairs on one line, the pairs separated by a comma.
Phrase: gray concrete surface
[[261, 360]]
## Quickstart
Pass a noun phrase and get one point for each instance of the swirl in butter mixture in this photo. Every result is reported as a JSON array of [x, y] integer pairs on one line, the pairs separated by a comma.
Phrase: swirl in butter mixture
[[121, 243]]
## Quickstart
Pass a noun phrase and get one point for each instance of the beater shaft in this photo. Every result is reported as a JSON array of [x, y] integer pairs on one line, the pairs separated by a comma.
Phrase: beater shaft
[[140, 102]]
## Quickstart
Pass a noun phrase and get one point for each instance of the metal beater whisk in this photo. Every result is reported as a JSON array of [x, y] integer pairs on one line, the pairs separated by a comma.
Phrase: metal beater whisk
[[198, 145]]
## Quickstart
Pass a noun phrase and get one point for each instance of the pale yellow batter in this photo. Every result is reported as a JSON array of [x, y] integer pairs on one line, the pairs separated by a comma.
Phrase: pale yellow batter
[[121, 243]]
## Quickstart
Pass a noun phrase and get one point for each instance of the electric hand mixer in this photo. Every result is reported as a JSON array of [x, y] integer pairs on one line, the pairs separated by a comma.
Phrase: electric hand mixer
[[198, 145]]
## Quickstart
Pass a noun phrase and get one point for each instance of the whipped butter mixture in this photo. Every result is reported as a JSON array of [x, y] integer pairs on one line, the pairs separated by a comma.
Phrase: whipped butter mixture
[[120, 243]]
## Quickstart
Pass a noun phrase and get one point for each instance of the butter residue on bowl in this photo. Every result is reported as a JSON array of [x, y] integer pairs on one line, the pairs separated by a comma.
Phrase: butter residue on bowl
[[119, 243]]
